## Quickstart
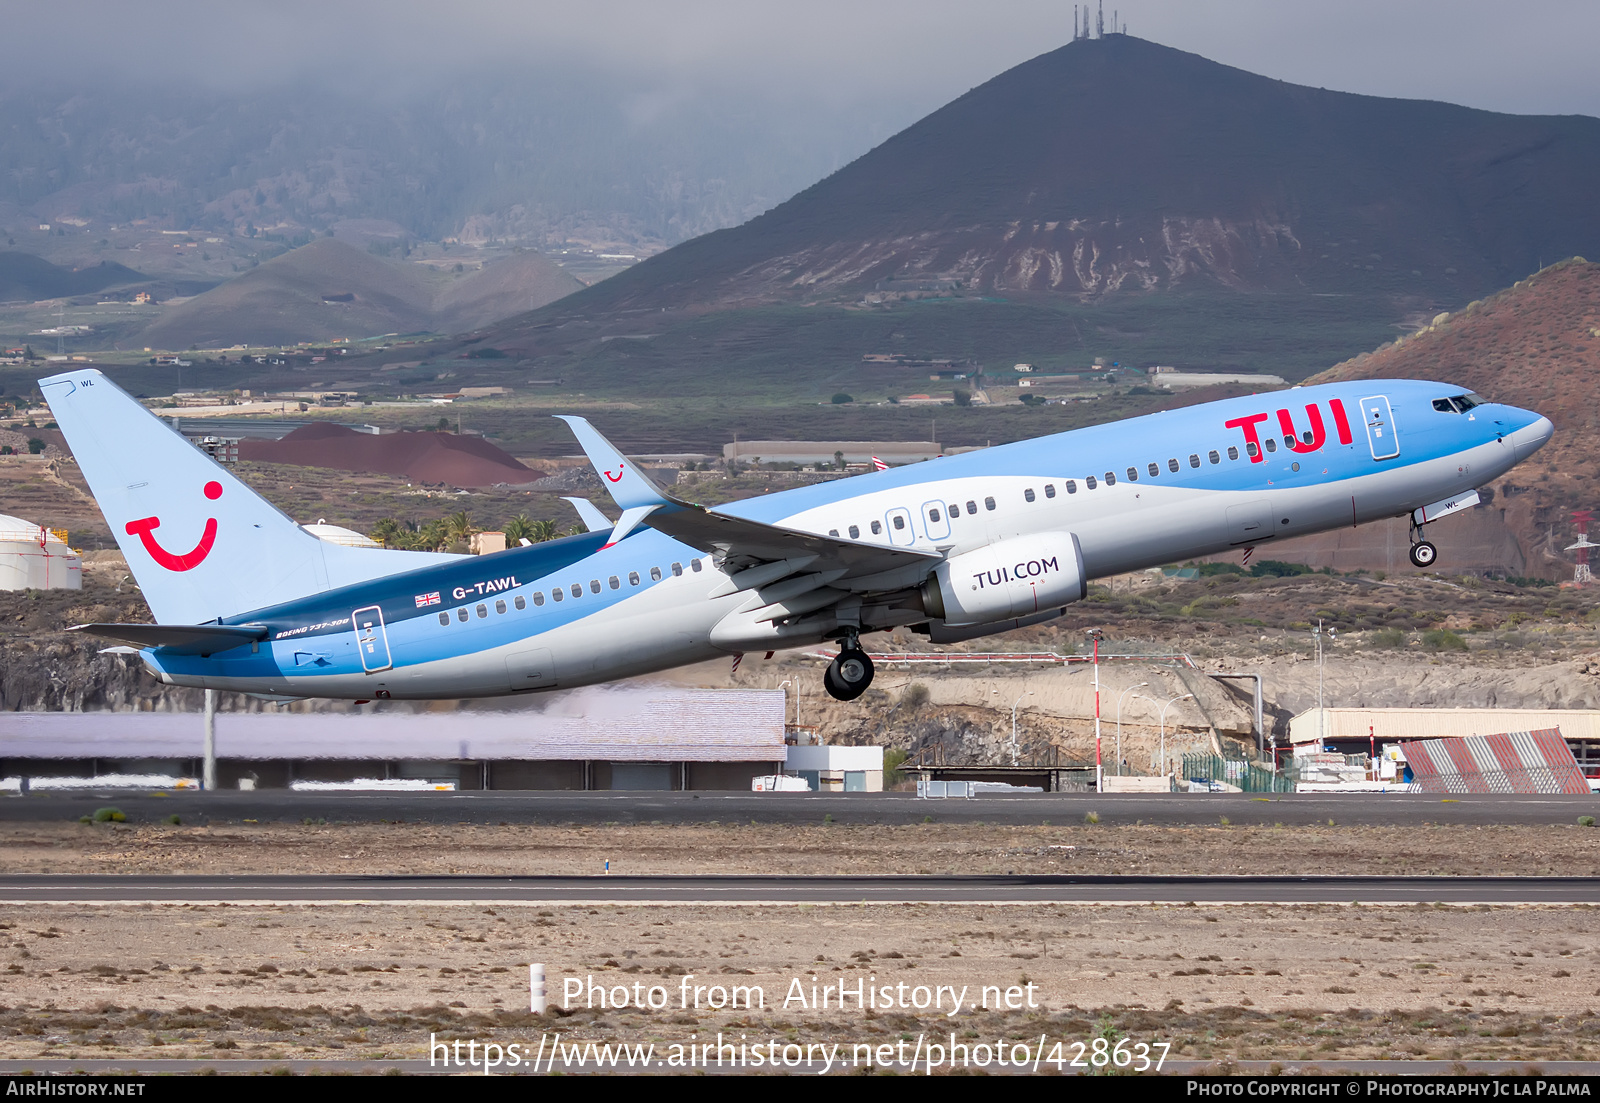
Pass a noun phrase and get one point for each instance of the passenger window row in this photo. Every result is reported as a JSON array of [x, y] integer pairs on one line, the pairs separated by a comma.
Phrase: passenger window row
[[576, 589]]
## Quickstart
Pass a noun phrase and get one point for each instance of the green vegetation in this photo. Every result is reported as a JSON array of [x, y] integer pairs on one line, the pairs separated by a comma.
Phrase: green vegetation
[[1585, 821], [1389, 639], [1274, 568], [842, 399], [108, 815], [1442, 639]]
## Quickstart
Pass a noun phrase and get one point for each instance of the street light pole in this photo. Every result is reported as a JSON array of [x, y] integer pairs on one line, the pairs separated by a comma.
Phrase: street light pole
[[1095, 634], [1014, 704], [1120, 696], [1164, 727]]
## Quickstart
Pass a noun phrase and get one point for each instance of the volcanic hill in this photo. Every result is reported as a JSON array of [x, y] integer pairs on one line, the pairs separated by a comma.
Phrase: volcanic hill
[[423, 457], [1536, 345], [26, 277], [1117, 164], [331, 288]]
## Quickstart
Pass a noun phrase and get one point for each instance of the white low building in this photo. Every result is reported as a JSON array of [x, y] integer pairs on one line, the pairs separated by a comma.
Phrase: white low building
[[838, 769], [34, 558]]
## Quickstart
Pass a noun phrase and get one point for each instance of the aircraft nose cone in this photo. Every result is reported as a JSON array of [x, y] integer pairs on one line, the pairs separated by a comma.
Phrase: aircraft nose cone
[[1532, 437]]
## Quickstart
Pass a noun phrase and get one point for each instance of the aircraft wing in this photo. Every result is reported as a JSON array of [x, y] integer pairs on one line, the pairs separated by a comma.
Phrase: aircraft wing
[[738, 544], [186, 639]]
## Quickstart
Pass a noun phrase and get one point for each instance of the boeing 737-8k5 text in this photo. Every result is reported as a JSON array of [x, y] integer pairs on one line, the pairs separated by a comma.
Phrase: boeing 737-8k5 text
[[959, 547]]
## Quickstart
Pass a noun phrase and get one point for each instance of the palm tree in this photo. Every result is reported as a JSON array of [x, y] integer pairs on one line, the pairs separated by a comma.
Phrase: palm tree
[[458, 526], [543, 530], [518, 529], [388, 532]]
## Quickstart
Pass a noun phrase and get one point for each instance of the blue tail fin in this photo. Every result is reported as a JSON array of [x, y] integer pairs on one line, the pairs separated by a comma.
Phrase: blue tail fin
[[201, 544]]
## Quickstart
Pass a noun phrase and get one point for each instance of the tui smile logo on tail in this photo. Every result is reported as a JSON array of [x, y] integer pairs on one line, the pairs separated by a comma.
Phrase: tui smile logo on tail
[[617, 478], [145, 527]]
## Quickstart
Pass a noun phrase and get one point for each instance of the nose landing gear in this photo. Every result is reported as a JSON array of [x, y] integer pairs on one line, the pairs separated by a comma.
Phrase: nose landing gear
[[849, 675], [1423, 552]]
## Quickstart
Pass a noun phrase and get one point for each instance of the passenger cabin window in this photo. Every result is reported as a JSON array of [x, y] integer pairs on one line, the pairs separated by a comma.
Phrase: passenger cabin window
[[559, 594], [1272, 444], [655, 574], [500, 607], [520, 602], [1072, 486], [694, 565], [1027, 494], [1049, 490], [614, 582], [833, 532], [972, 508], [1155, 469], [483, 610], [1090, 483], [933, 515], [444, 618], [1214, 458], [538, 598], [577, 589], [955, 509], [899, 522], [677, 569], [1172, 465], [988, 503], [1111, 478], [462, 614], [1233, 453], [633, 578], [1307, 436], [1250, 447], [1194, 459], [855, 532], [877, 527], [1133, 474]]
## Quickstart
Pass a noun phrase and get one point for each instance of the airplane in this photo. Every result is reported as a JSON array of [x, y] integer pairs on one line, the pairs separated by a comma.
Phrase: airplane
[[955, 548]]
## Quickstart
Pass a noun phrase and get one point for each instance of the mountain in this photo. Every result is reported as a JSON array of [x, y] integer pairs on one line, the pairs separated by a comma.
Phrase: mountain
[[29, 278], [1112, 198], [521, 282], [330, 288], [1117, 163]]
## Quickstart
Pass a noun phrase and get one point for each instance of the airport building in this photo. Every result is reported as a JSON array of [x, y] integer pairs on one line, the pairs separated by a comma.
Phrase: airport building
[[1360, 730], [587, 739]]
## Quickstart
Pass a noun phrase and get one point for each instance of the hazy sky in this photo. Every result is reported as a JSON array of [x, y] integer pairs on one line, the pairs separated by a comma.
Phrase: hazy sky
[[1532, 56]]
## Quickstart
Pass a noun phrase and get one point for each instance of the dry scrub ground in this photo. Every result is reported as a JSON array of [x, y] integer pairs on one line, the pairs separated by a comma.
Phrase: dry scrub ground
[[824, 849], [1308, 983]]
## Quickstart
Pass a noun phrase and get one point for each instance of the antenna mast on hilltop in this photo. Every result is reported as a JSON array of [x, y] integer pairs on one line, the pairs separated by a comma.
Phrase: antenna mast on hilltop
[[1100, 21], [1580, 573]]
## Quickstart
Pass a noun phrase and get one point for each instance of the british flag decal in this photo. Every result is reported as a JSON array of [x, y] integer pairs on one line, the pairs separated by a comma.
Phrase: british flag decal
[[427, 599]]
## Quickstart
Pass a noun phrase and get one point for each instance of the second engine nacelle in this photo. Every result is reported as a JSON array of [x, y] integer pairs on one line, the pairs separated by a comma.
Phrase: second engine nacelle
[[1013, 578]]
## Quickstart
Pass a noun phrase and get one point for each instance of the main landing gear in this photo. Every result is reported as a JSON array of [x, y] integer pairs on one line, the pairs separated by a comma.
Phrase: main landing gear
[[1423, 552], [849, 675]]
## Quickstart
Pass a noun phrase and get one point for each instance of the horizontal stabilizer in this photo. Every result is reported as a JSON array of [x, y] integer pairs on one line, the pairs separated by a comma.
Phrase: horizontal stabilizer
[[181, 639]]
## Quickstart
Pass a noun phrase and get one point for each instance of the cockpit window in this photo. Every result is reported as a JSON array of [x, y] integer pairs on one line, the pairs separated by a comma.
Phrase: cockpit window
[[1459, 404]]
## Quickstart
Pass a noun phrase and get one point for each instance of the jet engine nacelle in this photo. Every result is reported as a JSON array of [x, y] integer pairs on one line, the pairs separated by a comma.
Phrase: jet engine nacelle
[[1012, 578]]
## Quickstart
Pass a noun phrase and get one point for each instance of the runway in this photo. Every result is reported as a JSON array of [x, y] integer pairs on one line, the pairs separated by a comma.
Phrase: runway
[[513, 806], [779, 891]]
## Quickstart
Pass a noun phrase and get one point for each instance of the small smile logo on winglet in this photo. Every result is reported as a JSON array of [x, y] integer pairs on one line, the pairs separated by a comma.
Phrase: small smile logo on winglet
[[145, 527]]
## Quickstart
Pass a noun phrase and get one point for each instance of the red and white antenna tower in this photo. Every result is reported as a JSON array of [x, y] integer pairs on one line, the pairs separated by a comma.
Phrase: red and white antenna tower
[[1581, 574]]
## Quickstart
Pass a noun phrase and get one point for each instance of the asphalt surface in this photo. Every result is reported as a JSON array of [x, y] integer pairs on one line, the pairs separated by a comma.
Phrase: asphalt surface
[[1011, 889], [508, 806]]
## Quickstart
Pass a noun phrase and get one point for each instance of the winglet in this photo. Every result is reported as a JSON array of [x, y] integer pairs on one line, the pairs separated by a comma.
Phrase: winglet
[[629, 486], [589, 514]]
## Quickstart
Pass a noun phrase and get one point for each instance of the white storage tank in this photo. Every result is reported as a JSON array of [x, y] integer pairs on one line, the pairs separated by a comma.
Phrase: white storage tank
[[34, 558]]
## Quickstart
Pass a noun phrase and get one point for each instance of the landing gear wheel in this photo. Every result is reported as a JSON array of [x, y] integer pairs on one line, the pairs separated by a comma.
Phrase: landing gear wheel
[[1423, 554], [849, 675]]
